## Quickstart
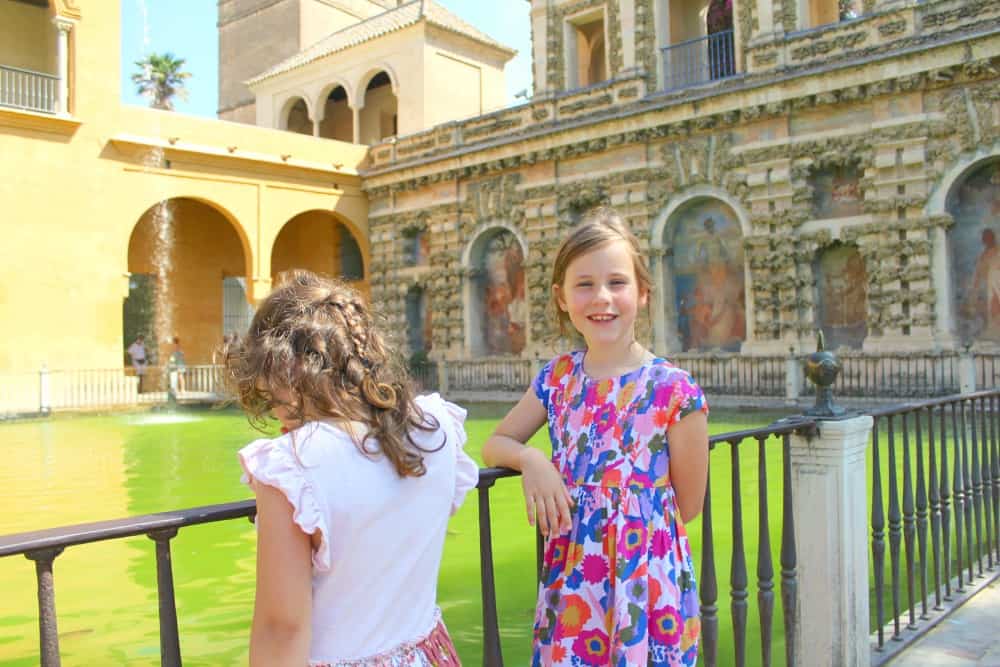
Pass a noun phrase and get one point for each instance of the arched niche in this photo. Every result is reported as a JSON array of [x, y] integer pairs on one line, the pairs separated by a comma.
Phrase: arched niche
[[295, 116], [338, 117], [378, 117], [496, 298], [841, 295], [703, 277], [973, 253]]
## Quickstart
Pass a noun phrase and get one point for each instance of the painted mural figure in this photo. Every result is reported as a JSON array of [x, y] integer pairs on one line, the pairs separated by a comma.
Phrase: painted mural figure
[[985, 288], [504, 302], [842, 298], [975, 256], [709, 280]]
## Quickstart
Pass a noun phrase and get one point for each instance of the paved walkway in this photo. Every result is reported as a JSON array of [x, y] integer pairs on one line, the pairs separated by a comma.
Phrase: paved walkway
[[969, 637]]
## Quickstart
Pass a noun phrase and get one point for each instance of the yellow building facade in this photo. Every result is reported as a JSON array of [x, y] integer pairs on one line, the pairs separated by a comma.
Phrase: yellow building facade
[[86, 183]]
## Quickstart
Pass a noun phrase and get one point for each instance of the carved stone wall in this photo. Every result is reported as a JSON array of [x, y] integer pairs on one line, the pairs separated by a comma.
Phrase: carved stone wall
[[895, 137]]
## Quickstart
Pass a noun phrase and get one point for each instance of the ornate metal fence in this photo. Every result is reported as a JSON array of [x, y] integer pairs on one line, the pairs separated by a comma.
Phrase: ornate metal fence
[[935, 491]]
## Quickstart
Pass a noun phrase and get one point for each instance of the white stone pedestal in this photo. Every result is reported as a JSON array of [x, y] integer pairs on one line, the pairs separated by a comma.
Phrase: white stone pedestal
[[830, 504]]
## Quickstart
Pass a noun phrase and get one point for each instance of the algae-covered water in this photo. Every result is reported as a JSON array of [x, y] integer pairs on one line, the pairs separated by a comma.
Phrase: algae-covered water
[[69, 470]]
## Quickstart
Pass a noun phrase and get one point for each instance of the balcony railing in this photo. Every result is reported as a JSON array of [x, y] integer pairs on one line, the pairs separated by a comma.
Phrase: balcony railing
[[24, 89], [700, 60]]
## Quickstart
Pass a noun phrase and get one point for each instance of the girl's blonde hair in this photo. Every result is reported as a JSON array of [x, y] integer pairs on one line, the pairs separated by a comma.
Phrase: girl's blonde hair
[[599, 226], [315, 339]]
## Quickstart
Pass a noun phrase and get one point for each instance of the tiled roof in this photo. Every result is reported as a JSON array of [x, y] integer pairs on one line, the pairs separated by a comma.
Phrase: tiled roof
[[376, 26]]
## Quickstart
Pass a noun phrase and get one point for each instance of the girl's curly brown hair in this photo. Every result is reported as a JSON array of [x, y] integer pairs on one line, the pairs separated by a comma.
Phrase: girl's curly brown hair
[[315, 339]]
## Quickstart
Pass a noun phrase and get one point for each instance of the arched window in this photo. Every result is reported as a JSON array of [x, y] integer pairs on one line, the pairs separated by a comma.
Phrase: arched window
[[338, 118], [298, 118], [379, 118]]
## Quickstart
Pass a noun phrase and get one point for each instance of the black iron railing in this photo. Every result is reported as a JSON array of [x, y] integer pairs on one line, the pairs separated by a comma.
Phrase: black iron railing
[[44, 546], [735, 374], [699, 60], [936, 491], [888, 375]]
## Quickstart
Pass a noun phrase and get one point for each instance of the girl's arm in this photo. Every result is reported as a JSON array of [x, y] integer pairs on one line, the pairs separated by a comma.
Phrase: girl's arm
[[282, 610], [688, 444], [546, 497]]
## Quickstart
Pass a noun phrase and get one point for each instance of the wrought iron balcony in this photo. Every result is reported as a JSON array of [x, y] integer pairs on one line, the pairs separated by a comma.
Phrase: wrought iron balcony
[[697, 61], [32, 91]]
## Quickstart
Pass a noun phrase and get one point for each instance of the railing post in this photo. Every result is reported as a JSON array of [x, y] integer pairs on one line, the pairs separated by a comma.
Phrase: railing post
[[492, 654], [48, 634], [170, 647], [44, 390], [828, 480], [966, 372], [793, 378], [442, 373]]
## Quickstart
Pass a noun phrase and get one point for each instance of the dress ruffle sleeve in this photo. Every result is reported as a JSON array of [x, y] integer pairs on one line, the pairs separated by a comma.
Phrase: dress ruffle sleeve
[[272, 462], [452, 419]]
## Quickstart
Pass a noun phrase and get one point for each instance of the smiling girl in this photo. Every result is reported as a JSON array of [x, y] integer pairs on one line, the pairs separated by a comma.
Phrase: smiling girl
[[629, 465]]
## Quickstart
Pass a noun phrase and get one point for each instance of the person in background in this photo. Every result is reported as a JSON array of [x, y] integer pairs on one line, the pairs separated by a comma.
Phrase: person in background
[[178, 364], [137, 356]]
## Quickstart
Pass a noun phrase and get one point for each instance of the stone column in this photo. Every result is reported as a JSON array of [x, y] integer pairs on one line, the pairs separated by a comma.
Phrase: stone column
[[831, 538], [657, 306], [966, 371], [63, 28]]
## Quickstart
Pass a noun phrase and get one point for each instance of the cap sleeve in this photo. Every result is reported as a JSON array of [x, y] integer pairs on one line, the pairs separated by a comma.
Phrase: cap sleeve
[[452, 421], [685, 397], [272, 462]]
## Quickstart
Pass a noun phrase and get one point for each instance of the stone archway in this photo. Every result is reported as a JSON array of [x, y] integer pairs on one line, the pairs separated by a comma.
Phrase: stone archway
[[496, 302], [319, 242], [703, 277], [181, 254]]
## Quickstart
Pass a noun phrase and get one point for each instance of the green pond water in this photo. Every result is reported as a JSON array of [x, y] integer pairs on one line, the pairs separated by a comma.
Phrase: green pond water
[[70, 470]]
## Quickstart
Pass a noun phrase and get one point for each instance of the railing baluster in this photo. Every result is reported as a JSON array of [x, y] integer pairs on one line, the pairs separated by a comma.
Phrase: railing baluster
[[968, 491], [894, 528], [909, 528], [977, 485], [921, 513], [878, 536], [48, 633], [935, 504], [995, 468], [959, 497], [765, 567], [945, 505], [709, 585], [985, 484], [492, 654], [789, 575], [738, 567], [170, 647]]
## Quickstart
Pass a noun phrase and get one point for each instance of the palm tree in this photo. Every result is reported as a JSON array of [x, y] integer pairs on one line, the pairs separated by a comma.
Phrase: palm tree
[[161, 79]]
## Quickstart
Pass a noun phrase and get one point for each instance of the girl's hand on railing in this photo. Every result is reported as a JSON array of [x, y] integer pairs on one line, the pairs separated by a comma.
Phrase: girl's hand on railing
[[546, 498]]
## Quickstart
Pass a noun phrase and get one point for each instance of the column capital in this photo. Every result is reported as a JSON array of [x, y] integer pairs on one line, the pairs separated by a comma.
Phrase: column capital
[[63, 24]]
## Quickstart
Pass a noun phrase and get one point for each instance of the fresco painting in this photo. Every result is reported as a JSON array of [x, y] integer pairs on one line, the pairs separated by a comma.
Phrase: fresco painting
[[706, 265], [836, 192], [975, 257], [502, 291], [841, 296]]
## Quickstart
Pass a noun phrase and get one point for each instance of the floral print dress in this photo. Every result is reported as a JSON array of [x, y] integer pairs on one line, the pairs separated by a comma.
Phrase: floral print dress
[[618, 590]]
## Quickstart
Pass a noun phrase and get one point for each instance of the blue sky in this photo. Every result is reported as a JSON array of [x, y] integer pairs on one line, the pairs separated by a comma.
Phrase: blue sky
[[186, 28]]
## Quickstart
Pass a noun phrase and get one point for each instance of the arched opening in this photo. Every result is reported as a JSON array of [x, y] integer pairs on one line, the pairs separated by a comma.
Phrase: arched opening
[[496, 299], [704, 291], [974, 203], [418, 322], [338, 118], [297, 120], [318, 242], [841, 295], [378, 117], [185, 257]]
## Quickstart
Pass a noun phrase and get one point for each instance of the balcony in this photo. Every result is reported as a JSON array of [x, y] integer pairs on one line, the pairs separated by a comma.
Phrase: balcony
[[28, 90], [700, 60]]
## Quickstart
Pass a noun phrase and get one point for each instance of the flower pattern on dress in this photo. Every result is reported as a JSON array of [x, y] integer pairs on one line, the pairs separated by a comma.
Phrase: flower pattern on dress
[[617, 590]]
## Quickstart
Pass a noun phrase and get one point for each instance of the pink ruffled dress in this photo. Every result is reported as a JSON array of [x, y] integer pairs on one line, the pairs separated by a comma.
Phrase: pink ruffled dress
[[380, 537]]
